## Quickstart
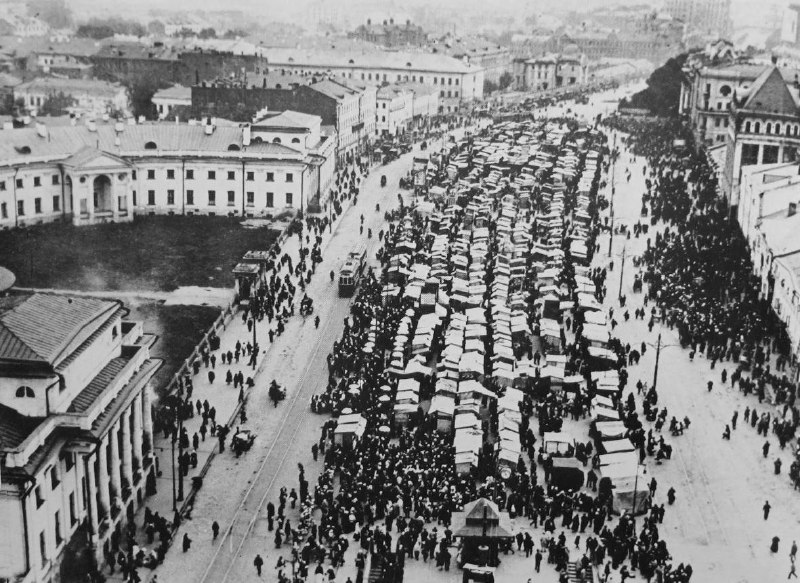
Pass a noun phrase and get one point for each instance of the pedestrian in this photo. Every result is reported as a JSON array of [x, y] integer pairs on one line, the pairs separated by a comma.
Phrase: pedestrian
[[765, 448], [215, 530], [211, 376], [187, 542], [259, 563], [316, 322], [766, 508], [793, 551], [792, 571]]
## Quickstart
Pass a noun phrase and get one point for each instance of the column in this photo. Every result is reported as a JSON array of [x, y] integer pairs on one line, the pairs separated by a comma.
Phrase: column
[[147, 420], [91, 485], [136, 413], [103, 478], [114, 470], [127, 460]]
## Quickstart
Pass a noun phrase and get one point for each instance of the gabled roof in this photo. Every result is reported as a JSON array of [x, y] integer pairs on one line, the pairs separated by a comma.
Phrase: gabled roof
[[42, 326], [89, 157], [770, 94], [289, 119]]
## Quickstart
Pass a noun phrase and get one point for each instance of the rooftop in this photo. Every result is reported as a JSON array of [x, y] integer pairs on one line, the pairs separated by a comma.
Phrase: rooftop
[[59, 84], [174, 92], [289, 119], [40, 328]]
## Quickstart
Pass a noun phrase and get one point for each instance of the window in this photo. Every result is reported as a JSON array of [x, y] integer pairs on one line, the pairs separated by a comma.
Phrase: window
[[288, 199], [212, 197], [251, 176], [151, 197], [231, 198], [37, 181], [270, 199], [170, 197], [716, 122], [747, 127], [20, 183], [421, 79], [455, 93], [449, 93], [758, 127], [3, 211], [749, 154], [190, 175], [171, 174], [133, 174], [150, 146], [450, 81], [212, 175], [456, 81], [37, 205], [21, 208], [57, 528], [2, 184], [43, 548], [134, 198], [770, 155], [190, 197], [251, 198], [56, 204], [295, 140], [151, 174], [25, 392], [231, 175], [54, 478], [39, 498], [72, 518], [270, 177], [289, 177], [442, 93]]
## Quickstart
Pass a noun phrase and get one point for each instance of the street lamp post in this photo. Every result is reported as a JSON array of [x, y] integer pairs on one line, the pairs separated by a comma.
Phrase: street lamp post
[[613, 192], [658, 357], [180, 452], [621, 272]]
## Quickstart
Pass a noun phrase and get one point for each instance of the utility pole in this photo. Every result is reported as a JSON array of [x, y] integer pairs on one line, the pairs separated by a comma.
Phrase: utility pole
[[180, 452], [613, 192], [621, 272], [658, 356]]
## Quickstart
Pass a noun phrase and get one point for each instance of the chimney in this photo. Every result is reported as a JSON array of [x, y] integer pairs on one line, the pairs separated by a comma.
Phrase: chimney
[[91, 125], [792, 209], [246, 135]]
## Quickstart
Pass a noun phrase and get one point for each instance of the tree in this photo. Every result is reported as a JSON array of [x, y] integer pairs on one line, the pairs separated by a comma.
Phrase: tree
[[57, 104], [53, 12], [489, 86], [663, 92], [141, 89], [506, 79], [100, 28], [207, 33]]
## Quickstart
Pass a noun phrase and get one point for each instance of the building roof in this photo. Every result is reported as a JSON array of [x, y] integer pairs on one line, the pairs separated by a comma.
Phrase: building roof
[[769, 94], [7, 80], [135, 50], [289, 119], [74, 47], [65, 141], [51, 85], [333, 89], [42, 326], [377, 59], [84, 400], [15, 428], [174, 92]]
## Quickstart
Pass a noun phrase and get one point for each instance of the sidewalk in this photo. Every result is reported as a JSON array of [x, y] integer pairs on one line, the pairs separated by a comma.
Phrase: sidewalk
[[223, 397]]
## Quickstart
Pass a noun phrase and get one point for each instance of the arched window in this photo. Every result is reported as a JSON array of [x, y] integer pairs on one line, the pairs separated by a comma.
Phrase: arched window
[[150, 146], [788, 130], [276, 141], [747, 127], [725, 90], [24, 391], [758, 127], [769, 128], [777, 128], [295, 140], [258, 140], [234, 148]]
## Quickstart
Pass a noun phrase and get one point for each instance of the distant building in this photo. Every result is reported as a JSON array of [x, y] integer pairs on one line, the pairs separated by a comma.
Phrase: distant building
[[549, 72], [457, 82], [165, 100], [77, 432], [17, 25], [395, 110], [66, 59], [90, 95], [390, 35], [790, 26], [711, 18], [494, 59]]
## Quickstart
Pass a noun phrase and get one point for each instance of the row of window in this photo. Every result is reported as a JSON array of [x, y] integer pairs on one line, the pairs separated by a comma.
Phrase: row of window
[[250, 198], [212, 175], [37, 181], [788, 129], [37, 207], [69, 463]]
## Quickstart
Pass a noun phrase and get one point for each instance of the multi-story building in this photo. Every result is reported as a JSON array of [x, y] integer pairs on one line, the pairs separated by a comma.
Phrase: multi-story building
[[395, 110], [549, 72], [426, 102], [711, 18], [77, 433], [345, 106], [89, 96], [389, 34], [101, 173], [166, 100], [457, 82], [763, 128], [494, 59], [706, 96]]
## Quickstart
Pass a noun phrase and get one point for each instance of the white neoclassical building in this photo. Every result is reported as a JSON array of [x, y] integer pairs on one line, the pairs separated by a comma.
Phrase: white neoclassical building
[[75, 429]]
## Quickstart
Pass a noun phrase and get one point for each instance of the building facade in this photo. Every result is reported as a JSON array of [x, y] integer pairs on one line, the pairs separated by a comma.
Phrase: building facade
[[75, 450], [549, 72], [711, 18], [94, 174], [395, 110], [389, 34], [88, 96]]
